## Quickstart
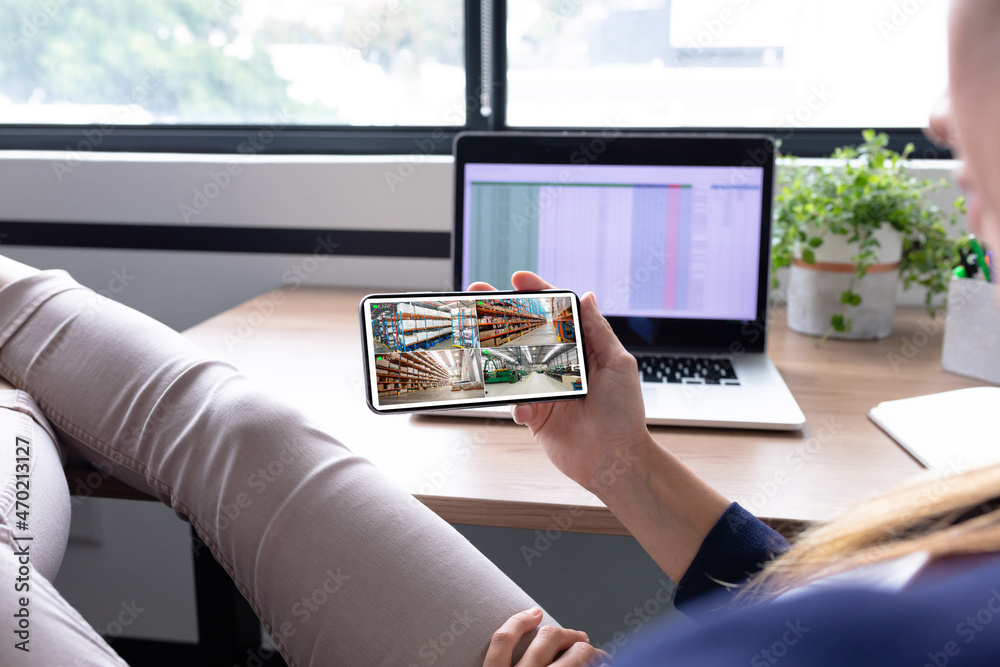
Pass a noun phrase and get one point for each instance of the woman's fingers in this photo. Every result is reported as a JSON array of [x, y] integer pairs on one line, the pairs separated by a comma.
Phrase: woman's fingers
[[523, 281], [526, 281], [571, 646], [582, 654], [504, 640], [549, 643], [532, 415], [522, 412]]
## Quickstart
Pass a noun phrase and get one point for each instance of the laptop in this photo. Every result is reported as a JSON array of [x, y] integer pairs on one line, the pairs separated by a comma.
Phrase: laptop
[[672, 233]]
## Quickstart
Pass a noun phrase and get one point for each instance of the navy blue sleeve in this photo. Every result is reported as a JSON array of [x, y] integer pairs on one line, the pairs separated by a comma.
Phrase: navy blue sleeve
[[735, 549], [952, 621]]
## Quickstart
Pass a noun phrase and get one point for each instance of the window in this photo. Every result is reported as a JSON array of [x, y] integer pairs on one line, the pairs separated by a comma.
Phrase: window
[[233, 62], [380, 76], [724, 63]]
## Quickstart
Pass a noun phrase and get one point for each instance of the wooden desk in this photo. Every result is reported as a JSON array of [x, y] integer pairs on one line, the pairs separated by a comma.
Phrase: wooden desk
[[305, 346]]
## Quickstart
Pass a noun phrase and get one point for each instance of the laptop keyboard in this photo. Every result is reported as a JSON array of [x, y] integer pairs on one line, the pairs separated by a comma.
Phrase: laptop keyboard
[[687, 370]]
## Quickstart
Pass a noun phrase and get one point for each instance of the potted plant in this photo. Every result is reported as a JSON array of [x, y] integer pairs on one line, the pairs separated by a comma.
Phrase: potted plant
[[850, 229]]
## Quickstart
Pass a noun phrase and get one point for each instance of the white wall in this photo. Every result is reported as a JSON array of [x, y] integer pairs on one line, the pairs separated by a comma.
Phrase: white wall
[[261, 191]]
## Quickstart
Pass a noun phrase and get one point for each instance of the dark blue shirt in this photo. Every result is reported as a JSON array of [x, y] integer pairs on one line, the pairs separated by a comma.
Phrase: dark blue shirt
[[947, 615]]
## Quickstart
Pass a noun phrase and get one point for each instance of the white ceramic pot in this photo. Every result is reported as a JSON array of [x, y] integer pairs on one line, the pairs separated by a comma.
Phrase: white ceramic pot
[[814, 290]]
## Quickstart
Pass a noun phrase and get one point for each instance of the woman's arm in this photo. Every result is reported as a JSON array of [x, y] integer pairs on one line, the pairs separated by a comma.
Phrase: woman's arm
[[665, 506], [602, 443]]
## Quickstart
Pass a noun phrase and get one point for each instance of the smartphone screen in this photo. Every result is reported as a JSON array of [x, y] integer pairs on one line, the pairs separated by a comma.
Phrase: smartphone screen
[[434, 351]]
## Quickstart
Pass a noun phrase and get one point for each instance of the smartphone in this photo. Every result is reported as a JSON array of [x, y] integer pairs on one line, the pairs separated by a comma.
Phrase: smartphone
[[428, 351]]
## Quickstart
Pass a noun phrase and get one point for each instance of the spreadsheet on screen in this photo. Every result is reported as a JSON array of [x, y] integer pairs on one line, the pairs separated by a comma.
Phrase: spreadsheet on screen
[[650, 241]]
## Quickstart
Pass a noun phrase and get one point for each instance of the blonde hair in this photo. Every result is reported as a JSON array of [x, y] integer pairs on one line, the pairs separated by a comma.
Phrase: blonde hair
[[940, 515]]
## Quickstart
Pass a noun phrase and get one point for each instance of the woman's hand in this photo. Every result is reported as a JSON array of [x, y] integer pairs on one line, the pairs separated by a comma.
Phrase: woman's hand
[[601, 442], [551, 646], [595, 440]]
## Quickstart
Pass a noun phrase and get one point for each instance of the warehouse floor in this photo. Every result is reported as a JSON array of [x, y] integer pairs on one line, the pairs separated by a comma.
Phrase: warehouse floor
[[445, 344], [531, 384], [543, 335], [428, 395]]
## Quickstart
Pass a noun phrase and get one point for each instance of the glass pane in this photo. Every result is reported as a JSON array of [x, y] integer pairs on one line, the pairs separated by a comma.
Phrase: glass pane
[[729, 63], [323, 62]]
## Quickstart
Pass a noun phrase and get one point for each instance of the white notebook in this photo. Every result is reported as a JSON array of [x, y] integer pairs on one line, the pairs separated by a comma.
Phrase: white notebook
[[955, 429]]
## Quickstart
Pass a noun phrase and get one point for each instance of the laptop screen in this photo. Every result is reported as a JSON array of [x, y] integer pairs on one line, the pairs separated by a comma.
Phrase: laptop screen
[[670, 231], [650, 240]]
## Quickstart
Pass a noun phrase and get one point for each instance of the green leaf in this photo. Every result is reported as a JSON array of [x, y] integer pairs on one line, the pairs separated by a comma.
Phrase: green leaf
[[855, 300], [853, 200], [837, 322], [815, 242], [845, 297]]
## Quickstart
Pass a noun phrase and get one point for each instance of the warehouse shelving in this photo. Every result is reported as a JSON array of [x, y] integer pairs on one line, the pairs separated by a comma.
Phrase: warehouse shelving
[[562, 319], [404, 327], [384, 328], [405, 372], [503, 320], [464, 332]]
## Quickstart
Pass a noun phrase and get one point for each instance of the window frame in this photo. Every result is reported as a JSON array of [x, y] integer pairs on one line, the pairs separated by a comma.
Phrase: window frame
[[355, 140]]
